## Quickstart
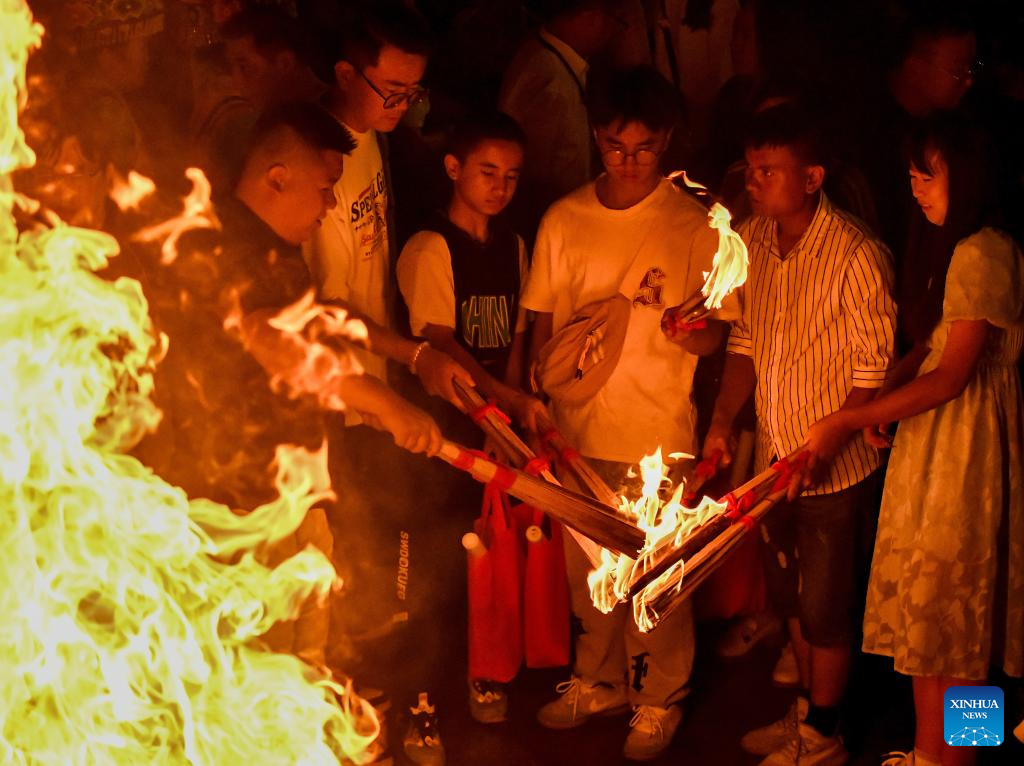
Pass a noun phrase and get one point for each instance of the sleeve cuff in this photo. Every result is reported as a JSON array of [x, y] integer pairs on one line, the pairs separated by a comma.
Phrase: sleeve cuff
[[740, 345], [869, 378]]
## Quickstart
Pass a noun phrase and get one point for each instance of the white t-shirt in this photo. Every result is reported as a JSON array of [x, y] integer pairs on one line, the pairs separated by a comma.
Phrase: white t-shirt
[[428, 285], [349, 253], [657, 252]]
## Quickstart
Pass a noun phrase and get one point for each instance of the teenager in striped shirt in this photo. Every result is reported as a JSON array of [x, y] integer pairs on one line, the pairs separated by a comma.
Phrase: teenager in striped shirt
[[816, 335]]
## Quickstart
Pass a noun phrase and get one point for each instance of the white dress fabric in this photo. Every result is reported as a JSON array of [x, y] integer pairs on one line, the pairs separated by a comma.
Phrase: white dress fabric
[[946, 596]]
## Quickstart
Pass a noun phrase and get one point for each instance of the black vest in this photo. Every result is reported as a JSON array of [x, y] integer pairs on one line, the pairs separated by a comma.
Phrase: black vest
[[486, 276]]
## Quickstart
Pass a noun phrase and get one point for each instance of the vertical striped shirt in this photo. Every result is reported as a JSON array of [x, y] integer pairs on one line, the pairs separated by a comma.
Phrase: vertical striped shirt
[[817, 322]]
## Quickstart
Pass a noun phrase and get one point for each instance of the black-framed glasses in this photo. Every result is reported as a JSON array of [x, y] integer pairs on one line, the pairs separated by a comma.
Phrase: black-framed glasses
[[614, 158], [393, 100]]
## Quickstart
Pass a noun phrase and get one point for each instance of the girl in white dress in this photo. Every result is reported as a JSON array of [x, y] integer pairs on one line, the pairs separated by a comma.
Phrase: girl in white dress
[[946, 596]]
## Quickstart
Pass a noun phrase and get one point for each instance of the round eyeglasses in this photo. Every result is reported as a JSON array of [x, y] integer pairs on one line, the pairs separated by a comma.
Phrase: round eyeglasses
[[393, 100], [614, 158]]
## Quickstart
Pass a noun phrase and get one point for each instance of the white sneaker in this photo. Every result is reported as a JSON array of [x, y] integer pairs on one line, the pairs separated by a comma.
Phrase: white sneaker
[[579, 701], [809, 748], [743, 635], [770, 738], [786, 672], [650, 731]]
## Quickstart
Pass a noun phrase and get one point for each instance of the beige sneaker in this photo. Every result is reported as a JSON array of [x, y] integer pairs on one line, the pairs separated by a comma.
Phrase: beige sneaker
[[809, 748], [770, 738], [580, 701], [786, 671], [650, 731]]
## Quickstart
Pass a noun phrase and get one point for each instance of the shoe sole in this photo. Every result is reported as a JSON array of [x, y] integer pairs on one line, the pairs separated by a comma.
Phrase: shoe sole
[[580, 721]]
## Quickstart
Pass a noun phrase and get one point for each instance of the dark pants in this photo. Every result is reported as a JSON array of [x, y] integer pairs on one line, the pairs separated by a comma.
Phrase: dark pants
[[399, 621], [817, 552]]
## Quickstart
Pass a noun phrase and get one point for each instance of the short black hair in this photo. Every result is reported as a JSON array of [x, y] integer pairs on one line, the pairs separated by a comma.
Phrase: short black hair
[[469, 133], [313, 124], [788, 125], [271, 30], [371, 26], [638, 94]]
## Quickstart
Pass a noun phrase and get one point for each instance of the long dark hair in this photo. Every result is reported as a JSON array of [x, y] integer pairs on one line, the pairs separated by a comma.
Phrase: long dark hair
[[973, 204]]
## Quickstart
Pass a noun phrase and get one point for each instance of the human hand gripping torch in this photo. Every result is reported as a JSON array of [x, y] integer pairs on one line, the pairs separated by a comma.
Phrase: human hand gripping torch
[[668, 573], [728, 269]]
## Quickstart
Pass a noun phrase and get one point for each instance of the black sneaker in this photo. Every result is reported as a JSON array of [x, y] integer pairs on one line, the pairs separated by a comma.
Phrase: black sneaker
[[488, 701], [422, 741]]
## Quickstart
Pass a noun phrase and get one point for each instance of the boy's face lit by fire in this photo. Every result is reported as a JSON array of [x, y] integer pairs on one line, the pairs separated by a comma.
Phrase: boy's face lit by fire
[[630, 152], [487, 178], [930, 188], [777, 182]]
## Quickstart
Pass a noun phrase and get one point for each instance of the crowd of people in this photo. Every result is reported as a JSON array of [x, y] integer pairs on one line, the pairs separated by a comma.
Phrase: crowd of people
[[475, 181]]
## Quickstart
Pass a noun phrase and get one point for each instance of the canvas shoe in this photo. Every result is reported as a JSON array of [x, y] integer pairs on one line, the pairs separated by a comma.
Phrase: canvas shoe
[[770, 738], [786, 671], [488, 701], [580, 701], [809, 748], [743, 635], [650, 731], [422, 742]]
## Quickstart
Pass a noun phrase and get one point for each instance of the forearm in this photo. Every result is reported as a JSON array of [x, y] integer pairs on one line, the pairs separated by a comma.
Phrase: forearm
[[906, 368], [924, 393], [738, 383], [379, 339], [363, 393], [706, 341], [543, 329]]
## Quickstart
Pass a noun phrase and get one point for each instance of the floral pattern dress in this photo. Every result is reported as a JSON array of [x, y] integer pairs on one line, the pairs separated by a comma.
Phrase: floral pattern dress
[[946, 595]]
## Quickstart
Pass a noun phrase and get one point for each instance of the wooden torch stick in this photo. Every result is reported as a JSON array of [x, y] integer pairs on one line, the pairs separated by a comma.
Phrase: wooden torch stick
[[664, 556], [587, 516], [672, 593], [519, 454]]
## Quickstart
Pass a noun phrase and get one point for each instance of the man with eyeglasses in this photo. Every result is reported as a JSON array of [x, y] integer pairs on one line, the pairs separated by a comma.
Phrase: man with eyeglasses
[[631, 232], [378, 67]]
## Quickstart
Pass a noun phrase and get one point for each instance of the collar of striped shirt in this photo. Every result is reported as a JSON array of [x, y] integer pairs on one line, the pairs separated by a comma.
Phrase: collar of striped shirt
[[811, 240]]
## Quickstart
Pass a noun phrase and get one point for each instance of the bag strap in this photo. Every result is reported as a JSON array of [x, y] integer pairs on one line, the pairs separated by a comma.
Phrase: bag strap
[[624, 288], [496, 506]]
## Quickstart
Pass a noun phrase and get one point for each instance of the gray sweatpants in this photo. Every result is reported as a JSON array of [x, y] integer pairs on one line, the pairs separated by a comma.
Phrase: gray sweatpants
[[654, 667]]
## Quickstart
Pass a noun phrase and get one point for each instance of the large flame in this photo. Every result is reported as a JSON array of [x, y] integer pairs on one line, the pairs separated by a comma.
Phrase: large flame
[[131, 613], [729, 267], [665, 522]]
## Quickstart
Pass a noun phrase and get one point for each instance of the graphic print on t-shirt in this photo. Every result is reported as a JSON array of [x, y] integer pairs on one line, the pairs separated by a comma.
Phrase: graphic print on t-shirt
[[651, 287], [486, 322], [368, 215]]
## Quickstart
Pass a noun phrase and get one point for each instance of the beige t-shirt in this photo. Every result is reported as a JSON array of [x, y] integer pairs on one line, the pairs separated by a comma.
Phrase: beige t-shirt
[[428, 285], [657, 251], [349, 254]]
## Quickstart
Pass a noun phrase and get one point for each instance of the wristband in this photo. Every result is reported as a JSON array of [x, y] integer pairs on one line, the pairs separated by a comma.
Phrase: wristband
[[416, 355]]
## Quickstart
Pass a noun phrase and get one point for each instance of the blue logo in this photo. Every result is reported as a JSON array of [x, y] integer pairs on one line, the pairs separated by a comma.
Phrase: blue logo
[[973, 716]]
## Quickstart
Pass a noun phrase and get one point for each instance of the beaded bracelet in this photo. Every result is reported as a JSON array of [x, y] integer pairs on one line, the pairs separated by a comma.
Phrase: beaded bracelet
[[416, 355]]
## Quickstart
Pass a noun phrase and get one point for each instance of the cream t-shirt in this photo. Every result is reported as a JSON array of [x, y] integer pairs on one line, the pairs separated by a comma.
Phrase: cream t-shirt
[[428, 285], [349, 254], [657, 251]]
